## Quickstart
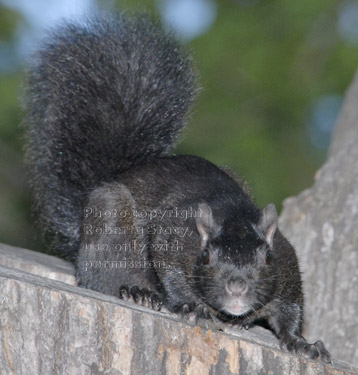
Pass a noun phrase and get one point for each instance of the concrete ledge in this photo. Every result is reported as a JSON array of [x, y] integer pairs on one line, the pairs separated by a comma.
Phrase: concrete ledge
[[50, 327]]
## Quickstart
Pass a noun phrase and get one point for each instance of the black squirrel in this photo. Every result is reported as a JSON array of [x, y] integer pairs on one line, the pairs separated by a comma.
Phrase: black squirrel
[[105, 102]]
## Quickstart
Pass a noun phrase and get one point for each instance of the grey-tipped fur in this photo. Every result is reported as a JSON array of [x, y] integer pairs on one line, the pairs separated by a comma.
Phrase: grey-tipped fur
[[102, 96]]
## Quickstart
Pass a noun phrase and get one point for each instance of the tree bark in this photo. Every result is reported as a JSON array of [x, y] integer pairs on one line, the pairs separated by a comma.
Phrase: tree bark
[[322, 224]]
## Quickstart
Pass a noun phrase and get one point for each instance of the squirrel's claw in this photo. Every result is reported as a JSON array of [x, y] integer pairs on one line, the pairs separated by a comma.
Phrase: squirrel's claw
[[184, 311], [156, 302], [124, 293], [143, 297]]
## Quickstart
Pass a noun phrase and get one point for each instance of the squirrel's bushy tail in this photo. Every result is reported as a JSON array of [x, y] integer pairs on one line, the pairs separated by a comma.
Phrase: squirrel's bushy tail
[[102, 96]]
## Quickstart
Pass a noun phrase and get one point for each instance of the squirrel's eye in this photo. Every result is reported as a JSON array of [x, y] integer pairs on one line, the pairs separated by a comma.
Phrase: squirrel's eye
[[205, 257], [269, 257]]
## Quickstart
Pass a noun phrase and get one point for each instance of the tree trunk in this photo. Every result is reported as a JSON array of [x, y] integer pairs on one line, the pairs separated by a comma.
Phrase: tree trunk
[[322, 224]]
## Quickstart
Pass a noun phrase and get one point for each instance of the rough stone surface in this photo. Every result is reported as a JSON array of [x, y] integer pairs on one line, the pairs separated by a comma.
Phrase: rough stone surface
[[50, 327], [322, 224]]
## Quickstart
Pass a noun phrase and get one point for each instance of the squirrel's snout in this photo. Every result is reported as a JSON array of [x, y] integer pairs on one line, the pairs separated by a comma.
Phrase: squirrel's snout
[[237, 287]]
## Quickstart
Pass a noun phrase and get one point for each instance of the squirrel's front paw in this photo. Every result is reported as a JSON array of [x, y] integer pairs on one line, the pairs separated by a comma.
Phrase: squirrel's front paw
[[239, 323], [143, 297], [192, 315], [312, 351]]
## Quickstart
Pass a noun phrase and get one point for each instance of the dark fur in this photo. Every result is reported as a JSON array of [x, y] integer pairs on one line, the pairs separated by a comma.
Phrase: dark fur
[[105, 103], [101, 98]]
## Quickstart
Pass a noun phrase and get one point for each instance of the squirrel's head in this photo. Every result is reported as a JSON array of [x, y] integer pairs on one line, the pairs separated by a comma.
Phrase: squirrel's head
[[235, 269]]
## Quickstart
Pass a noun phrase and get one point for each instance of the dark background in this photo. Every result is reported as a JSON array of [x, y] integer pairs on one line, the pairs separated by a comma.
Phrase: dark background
[[273, 75]]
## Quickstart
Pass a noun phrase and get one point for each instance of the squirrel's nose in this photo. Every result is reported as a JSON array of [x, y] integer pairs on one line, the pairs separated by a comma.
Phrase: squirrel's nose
[[237, 287]]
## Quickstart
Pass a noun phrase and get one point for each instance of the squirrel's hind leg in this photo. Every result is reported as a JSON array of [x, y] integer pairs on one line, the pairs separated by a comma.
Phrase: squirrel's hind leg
[[113, 250]]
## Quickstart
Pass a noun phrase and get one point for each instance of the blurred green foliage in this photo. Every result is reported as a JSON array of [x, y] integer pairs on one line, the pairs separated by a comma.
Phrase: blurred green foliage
[[261, 68], [8, 21]]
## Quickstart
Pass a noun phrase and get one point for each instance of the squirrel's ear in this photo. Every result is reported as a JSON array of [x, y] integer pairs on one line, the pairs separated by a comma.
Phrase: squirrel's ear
[[206, 224], [268, 223]]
